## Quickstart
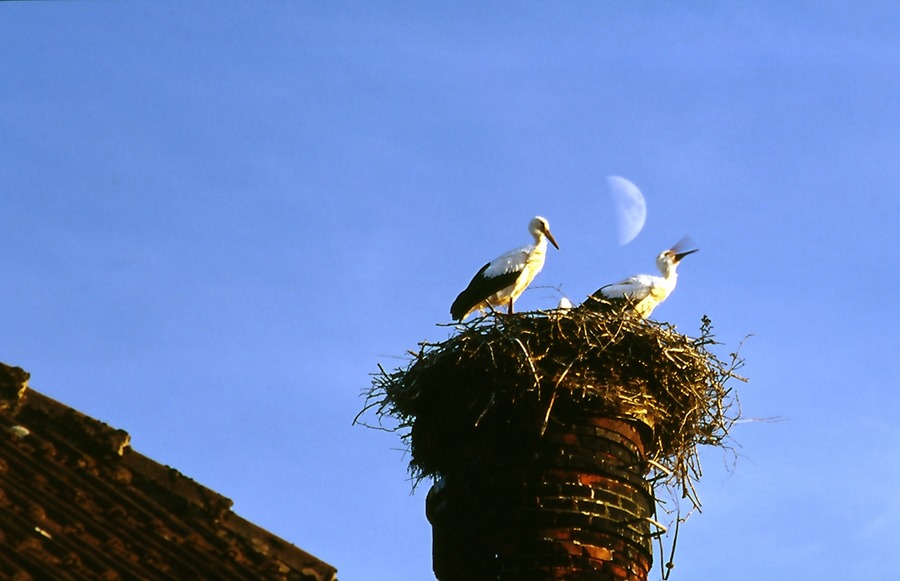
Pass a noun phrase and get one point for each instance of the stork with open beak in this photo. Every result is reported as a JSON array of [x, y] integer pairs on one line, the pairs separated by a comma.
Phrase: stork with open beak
[[644, 292], [500, 282]]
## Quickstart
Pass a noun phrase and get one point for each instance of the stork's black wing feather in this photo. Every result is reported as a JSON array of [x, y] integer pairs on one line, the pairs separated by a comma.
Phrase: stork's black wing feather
[[599, 301], [480, 288]]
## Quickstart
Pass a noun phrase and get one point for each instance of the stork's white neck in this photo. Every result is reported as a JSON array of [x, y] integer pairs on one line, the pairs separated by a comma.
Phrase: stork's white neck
[[667, 268], [539, 250]]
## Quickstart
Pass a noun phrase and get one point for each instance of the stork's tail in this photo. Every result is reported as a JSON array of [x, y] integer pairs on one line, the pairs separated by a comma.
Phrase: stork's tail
[[463, 305], [598, 303]]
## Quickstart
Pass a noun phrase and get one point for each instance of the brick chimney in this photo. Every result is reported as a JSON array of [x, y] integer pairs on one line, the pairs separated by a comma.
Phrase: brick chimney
[[539, 429], [569, 505]]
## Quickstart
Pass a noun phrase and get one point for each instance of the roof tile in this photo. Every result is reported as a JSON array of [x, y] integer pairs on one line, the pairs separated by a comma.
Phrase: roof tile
[[77, 501]]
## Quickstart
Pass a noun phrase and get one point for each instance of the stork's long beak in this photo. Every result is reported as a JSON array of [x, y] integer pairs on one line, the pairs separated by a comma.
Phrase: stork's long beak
[[681, 255], [551, 239]]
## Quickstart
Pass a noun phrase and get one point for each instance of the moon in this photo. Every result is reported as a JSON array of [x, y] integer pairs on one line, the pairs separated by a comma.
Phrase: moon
[[631, 209]]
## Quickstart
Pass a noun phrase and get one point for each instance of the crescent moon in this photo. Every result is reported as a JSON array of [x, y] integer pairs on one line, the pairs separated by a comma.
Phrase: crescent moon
[[631, 208]]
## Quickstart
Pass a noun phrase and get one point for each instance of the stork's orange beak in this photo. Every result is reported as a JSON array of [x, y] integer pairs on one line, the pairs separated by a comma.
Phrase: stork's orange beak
[[551, 239], [681, 255]]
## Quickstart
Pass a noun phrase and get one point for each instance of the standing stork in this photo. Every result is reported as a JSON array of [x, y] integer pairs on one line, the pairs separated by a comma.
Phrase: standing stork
[[501, 281], [644, 292]]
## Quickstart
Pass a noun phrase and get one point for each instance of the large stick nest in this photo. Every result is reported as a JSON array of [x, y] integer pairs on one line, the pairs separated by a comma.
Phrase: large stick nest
[[502, 374]]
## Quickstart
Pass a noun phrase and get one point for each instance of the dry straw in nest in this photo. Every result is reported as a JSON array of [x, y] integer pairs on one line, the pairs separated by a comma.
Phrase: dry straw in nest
[[502, 374]]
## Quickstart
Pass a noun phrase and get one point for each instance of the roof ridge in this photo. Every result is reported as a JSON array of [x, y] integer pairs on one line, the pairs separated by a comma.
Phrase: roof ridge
[[97, 462]]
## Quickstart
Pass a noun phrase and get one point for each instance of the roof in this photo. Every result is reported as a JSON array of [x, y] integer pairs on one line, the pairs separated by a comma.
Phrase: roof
[[76, 501]]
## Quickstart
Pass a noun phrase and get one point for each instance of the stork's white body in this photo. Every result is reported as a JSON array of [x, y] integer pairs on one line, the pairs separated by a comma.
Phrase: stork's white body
[[645, 291], [501, 281]]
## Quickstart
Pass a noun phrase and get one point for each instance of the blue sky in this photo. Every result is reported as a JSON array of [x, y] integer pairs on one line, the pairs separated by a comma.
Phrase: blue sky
[[216, 219]]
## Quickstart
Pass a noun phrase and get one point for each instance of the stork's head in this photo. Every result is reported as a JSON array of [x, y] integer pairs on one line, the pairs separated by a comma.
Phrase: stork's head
[[539, 226], [668, 260]]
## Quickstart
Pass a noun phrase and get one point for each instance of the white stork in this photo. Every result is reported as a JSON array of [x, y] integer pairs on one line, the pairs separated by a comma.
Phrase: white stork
[[644, 291], [501, 281]]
